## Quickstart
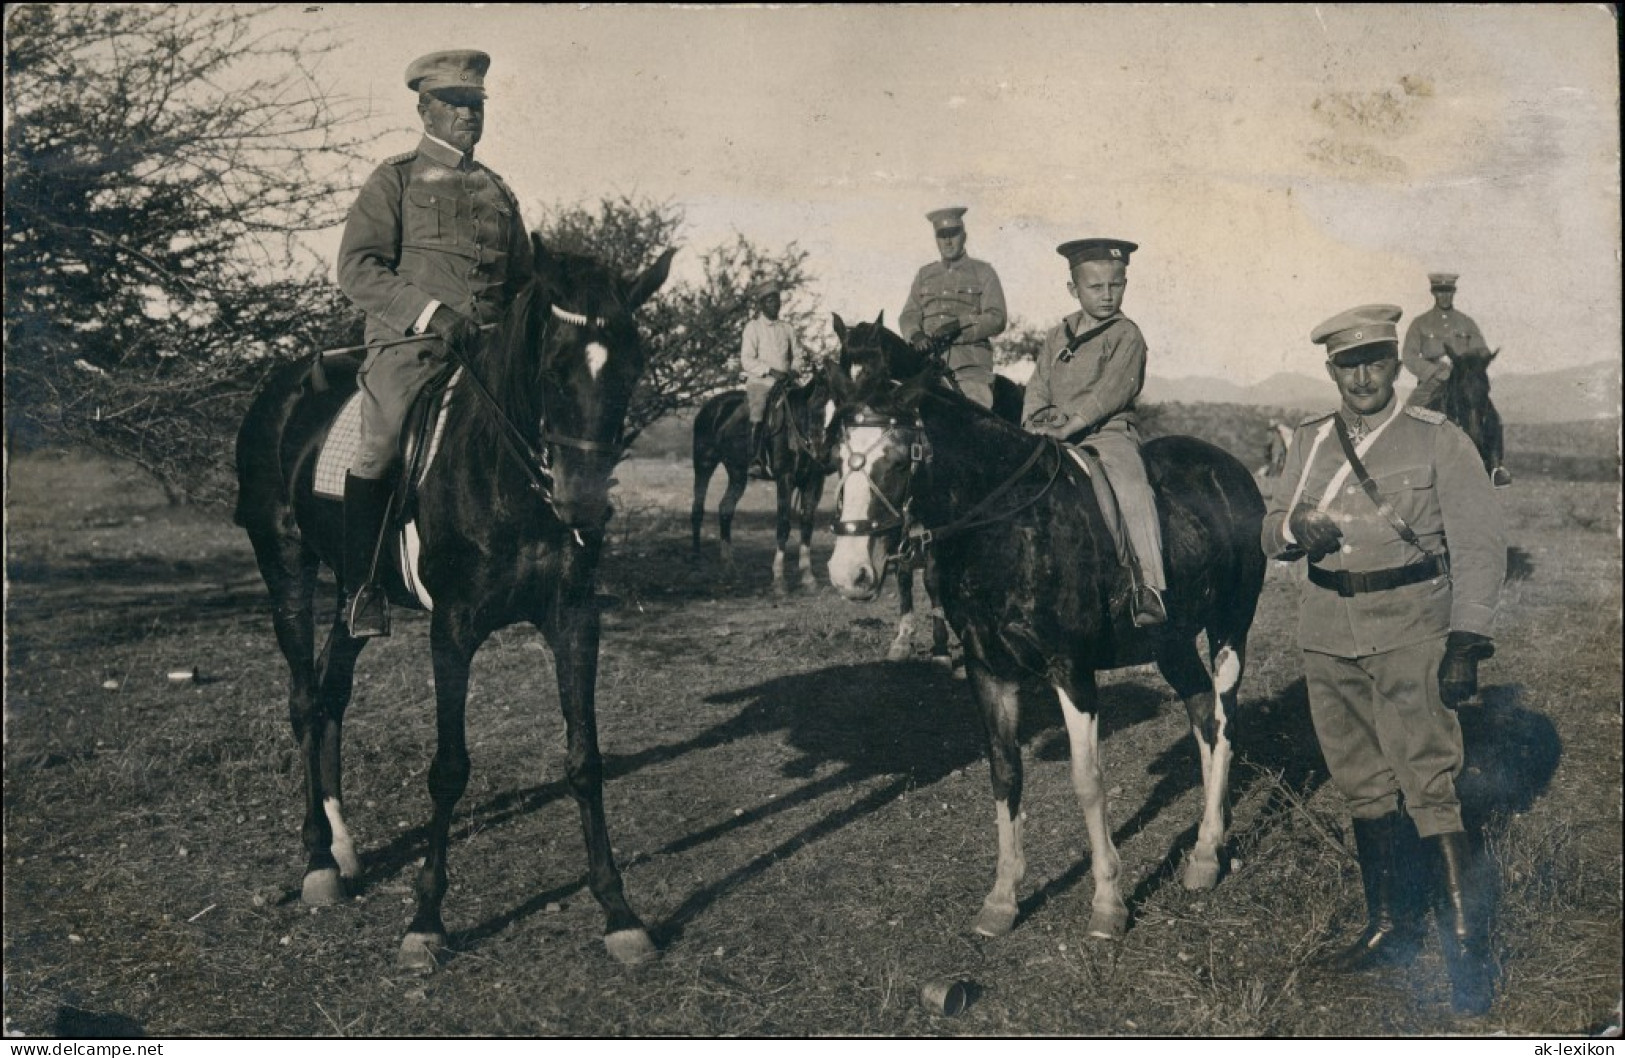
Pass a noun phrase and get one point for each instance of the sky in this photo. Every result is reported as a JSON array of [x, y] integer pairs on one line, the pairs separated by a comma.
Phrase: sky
[[1276, 164]]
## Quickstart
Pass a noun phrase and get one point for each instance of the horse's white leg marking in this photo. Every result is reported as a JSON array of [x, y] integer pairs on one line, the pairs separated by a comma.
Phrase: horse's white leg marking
[[902, 647], [850, 570], [778, 571], [727, 554], [343, 847], [1202, 871], [1109, 918], [597, 357], [998, 914], [829, 414], [804, 563]]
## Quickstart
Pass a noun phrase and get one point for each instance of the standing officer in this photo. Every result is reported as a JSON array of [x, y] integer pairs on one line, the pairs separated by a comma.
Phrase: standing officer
[[1407, 555], [767, 356], [957, 292], [1430, 333], [433, 246], [1084, 384]]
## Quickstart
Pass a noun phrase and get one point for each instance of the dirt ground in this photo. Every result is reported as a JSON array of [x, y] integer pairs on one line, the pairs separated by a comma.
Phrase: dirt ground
[[806, 827]]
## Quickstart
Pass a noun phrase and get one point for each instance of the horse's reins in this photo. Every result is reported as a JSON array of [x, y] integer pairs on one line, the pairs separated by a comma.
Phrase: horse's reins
[[917, 537], [535, 463]]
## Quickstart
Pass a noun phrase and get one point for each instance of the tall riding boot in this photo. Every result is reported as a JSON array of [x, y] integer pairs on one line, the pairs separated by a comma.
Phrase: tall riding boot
[[1393, 929], [1463, 907], [758, 452], [366, 507]]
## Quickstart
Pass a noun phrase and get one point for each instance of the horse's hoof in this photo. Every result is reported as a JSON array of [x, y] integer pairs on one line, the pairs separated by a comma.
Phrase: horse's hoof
[[900, 651], [322, 888], [995, 920], [420, 952], [1108, 924], [780, 589], [1201, 874], [630, 947], [944, 660], [809, 583]]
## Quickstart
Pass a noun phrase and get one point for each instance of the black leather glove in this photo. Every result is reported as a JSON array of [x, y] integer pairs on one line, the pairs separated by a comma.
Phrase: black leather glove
[[1458, 672], [920, 342], [452, 327], [1315, 531]]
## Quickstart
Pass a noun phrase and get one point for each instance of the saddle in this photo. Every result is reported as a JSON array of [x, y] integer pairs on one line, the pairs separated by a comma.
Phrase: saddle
[[1122, 591], [419, 439]]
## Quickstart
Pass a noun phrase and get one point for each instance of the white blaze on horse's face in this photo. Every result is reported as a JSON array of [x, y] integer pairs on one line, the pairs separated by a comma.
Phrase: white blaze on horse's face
[[854, 571], [597, 357]]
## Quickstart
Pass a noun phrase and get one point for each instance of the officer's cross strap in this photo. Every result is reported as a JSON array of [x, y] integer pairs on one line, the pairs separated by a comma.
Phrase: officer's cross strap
[[1383, 506]]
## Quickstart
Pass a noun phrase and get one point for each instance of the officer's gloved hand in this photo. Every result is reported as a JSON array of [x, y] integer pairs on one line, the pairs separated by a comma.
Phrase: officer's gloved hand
[[453, 328], [1458, 672], [1315, 531], [920, 342]]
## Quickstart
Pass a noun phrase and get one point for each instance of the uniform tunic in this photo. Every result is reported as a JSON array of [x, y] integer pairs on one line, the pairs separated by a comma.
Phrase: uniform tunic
[[1371, 659], [1425, 342], [430, 226], [965, 291], [767, 346], [1098, 383]]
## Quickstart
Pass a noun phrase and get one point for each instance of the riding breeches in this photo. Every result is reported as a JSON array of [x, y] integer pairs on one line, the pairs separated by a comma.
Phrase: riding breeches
[[972, 369], [389, 380], [1384, 730], [757, 390], [1118, 447]]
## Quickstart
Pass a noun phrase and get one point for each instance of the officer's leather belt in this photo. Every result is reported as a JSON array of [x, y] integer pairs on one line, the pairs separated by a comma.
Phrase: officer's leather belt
[[1349, 584]]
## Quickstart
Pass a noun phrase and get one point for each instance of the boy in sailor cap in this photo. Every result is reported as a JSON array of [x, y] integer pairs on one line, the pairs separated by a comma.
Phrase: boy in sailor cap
[[957, 294], [1393, 512], [433, 246], [1083, 388]]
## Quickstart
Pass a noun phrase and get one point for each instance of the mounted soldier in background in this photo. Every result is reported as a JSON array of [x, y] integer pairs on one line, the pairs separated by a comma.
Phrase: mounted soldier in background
[[957, 295], [768, 351], [1439, 345], [434, 246]]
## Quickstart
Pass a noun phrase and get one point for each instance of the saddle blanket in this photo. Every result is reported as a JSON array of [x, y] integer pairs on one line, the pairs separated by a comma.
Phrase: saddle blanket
[[338, 455]]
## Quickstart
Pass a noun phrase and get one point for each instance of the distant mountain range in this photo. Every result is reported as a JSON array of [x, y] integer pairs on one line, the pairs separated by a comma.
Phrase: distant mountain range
[[1569, 395]]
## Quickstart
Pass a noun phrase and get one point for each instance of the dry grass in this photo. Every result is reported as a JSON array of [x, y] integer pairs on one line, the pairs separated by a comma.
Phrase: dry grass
[[806, 828]]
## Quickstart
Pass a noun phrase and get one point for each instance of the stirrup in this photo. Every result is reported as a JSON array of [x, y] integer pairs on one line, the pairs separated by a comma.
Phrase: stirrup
[[366, 613], [1499, 478], [1148, 608]]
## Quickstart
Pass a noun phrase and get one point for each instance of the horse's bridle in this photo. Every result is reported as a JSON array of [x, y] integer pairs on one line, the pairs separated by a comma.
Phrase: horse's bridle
[[916, 537]]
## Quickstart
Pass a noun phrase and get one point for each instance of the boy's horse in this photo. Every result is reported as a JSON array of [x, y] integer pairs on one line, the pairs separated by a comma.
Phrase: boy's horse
[[1028, 570], [1465, 400], [796, 457], [509, 525]]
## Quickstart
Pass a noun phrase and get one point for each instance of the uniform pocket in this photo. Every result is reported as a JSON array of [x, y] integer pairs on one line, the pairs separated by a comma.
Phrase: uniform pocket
[[1409, 490], [430, 216]]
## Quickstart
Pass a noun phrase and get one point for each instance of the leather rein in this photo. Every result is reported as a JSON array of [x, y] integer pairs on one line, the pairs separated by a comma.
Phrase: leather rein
[[916, 537], [536, 462]]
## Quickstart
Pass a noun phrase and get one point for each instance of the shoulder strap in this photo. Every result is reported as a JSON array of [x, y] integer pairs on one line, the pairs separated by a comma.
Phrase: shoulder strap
[[1370, 486]]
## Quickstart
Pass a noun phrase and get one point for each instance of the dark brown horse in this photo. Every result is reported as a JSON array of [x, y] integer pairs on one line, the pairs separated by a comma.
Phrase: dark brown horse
[[1465, 400], [1029, 573], [796, 458], [509, 518]]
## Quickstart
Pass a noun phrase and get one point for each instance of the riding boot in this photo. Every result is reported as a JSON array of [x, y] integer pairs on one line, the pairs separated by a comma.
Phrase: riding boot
[[1463, 908], [758, 452], [1146, 606], [1393, 903], [366, 509]]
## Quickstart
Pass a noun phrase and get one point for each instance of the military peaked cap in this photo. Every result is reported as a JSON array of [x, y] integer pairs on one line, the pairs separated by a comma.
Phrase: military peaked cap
[[449, 71], [1357, 328], [947, 221], [763, 289], [1442, 280], [1078, 251]]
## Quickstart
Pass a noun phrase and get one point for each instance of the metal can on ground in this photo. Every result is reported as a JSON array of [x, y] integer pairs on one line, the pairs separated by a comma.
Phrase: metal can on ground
[[945, 996]]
